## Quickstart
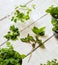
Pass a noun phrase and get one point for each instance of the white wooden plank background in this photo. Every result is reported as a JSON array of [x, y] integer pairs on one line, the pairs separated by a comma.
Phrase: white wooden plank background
[[40, 55]]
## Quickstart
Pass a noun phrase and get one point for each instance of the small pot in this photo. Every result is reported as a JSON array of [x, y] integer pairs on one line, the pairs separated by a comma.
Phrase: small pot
[[56, 34]]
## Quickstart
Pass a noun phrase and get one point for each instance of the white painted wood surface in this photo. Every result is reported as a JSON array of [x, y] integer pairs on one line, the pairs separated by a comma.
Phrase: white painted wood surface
[[40, 55]]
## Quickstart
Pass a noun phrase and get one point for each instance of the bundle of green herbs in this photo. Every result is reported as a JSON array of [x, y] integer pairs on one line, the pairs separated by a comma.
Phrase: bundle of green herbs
[[8, 56]]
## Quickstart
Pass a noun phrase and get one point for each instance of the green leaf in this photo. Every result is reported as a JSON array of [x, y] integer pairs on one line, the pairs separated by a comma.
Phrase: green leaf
[[21, 16], [42, 31], [23, 56], [35, 30], [39, 31], [27, 39]]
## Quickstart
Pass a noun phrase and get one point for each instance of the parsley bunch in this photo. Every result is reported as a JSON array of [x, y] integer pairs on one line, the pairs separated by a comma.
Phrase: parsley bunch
[[8, 56], [21, 16], [54, 13], [53, 62], [13, 33]]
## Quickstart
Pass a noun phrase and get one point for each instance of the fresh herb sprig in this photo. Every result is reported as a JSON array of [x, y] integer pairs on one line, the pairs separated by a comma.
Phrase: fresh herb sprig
[[13, 33], [8, 56], [54, 13], [38, 32], [53, 62], [30, 39]]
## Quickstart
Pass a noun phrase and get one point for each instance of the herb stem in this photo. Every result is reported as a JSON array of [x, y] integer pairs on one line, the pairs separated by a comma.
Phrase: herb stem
[[39, 46]]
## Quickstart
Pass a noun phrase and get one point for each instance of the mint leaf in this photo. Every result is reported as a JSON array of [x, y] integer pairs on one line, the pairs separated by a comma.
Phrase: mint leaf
[[39, 31]]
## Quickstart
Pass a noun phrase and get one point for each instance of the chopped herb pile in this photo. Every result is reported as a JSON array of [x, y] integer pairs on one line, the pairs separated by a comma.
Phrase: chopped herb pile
[[13, 33], [54, 13], [8, 56], [53, 62], [39, 31], [21, 16]]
